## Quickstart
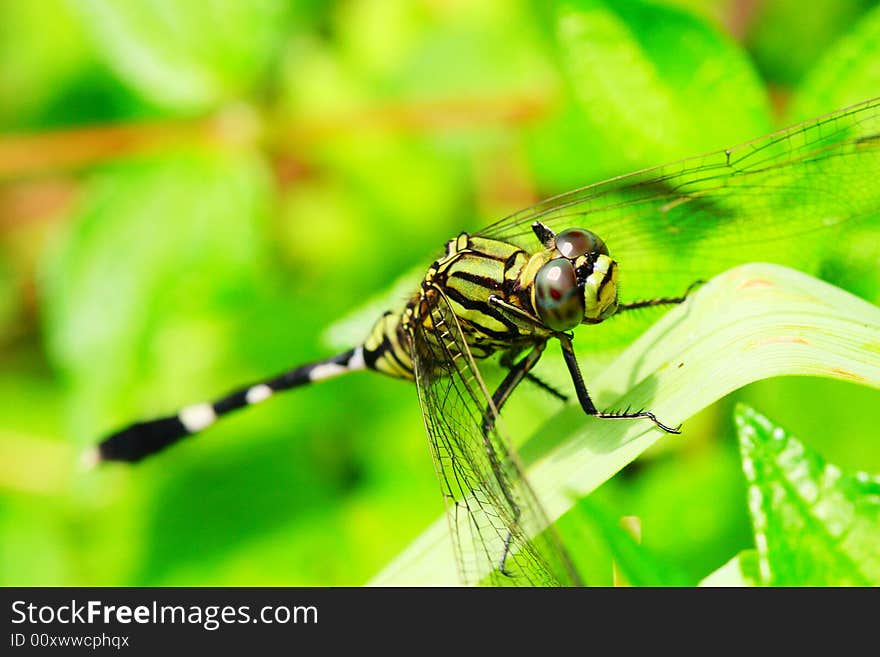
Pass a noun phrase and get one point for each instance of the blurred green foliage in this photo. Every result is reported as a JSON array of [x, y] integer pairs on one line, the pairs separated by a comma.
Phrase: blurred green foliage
[[191, 193]]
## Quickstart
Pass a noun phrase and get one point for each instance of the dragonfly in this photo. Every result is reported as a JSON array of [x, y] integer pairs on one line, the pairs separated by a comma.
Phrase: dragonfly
[[504, 294]]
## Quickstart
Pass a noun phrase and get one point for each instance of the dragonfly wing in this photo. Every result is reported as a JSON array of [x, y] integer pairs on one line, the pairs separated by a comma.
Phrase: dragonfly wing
[[785, 198], [493, 514]]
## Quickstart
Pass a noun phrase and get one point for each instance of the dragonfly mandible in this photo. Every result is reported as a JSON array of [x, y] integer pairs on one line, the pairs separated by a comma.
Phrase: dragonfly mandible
[[580, 258]]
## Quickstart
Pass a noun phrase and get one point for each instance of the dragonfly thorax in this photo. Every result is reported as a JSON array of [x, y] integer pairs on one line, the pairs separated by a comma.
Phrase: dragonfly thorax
[[568, 281]]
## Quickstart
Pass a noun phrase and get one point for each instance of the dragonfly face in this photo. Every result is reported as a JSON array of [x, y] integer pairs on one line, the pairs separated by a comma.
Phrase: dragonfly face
[[580, 287]]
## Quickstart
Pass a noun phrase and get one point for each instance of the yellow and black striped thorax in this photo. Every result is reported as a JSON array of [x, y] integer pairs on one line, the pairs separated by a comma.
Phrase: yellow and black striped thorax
[[473, 269]]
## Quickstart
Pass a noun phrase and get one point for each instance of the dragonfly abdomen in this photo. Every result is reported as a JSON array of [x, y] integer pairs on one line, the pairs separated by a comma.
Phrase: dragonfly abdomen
[[386, 350], [141, 439]]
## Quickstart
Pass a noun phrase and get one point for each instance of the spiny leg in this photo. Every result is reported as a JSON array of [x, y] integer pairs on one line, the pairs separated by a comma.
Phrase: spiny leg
[[514, 377], [528, 321], [584, 397], [518, 316], [518, 371], [501, 563], [663, 301], [543, 385], [142, 439], [508, 361]]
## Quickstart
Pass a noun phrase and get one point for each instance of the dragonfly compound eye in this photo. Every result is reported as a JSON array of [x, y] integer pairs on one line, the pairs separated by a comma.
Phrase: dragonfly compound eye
[[576, 242], [558, 298]]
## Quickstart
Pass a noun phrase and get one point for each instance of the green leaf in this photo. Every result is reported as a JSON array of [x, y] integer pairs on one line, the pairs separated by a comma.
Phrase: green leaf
[[636, 71], [638, 565], [187, 55], [786, 41], [154, 251], [695, 536], [352, 328], [41, 52], [752, 322], [9, 297], [848, 73], [814, 525], [742, 570], [470, 51]]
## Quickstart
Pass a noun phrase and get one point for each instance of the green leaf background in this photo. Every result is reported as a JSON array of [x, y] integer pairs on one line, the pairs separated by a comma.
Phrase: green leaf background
[[814, 524], [192, 193]]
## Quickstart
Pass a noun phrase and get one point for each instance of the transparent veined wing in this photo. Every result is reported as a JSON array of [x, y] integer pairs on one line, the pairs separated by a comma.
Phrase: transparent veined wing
[[492, 512], [788, 198]]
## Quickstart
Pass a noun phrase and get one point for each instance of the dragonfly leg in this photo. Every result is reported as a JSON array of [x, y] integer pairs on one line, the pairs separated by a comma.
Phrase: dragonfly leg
[[664, 301], [501, 569], [508, 358], [514, 313], [517, 373], [543, 385], [584, 397], [508, 361]]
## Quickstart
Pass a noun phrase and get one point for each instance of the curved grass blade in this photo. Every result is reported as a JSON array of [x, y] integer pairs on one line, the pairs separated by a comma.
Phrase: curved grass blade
[[740, 571], [750, 323]]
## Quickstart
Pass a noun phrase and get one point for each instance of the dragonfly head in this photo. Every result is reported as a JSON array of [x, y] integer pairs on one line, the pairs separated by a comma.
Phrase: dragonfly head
[[578, 283]]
